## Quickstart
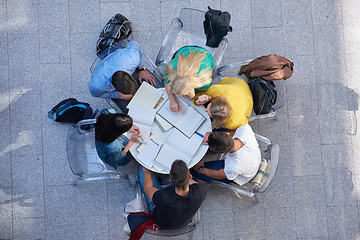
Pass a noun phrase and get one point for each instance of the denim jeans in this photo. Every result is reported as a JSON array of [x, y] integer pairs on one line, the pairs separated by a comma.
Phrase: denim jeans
[[156, 184], [215, 165]]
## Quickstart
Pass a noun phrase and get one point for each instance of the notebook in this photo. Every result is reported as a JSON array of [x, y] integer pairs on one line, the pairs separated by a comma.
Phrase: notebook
[[143, 118], [146, 95], [177, 146], [188, 120]]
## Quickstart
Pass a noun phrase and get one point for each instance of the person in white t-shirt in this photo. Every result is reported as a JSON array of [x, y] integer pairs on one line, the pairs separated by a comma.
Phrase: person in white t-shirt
[[241, 162]]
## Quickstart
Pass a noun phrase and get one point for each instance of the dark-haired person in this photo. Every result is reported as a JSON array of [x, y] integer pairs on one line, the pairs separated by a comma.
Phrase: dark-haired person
[[126, 61], [113, 147], [241, 162], [173, 206]]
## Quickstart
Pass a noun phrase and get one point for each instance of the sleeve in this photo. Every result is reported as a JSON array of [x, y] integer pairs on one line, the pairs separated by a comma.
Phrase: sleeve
[[117, 157], [102, 94], [156, 199], [229, 169], [134, 45]]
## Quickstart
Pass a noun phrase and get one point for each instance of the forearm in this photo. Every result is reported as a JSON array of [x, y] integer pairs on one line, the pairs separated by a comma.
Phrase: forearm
[[216, 174], [128, 146], [170, 94]]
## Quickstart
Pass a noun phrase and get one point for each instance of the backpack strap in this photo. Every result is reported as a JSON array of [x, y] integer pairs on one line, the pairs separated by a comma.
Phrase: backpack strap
[[69, 101]]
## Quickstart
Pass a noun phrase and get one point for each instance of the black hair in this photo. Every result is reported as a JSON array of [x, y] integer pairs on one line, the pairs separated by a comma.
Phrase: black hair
[[179, 174], [110, 126], [220, 142], [124, 82]]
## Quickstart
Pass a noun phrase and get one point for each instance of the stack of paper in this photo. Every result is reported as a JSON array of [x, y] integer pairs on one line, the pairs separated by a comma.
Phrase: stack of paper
[[187, 120], [148, 153]]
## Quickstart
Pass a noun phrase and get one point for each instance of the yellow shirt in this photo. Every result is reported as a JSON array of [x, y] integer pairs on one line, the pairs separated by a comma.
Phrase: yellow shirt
[[238, 93]]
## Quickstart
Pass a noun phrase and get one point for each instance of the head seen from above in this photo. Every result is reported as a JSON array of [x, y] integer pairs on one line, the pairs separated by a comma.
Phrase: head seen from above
[[180, 174], [220, 142], [219, 110], [124, 82], [185, 77], [110, 126]]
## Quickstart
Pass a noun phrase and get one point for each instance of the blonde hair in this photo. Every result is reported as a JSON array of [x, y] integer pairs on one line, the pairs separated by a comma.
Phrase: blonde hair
[[220, 111], [185, 77]]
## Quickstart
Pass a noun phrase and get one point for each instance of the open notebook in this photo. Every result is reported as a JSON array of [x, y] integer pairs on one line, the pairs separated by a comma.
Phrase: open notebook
[[146, 95], [187, 120], [177, 146], [143, 117]]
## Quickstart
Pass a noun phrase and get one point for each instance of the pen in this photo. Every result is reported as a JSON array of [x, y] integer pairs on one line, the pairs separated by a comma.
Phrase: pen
[[199, 134]]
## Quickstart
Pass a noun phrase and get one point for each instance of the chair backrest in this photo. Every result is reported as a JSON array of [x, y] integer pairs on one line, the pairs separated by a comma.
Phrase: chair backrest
[[187, 230], [270, 152], [82, 155], [187, 30], [232, 70]]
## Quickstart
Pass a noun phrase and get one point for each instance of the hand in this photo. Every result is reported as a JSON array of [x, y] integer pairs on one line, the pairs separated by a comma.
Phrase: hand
[[175, 106], [126, 97], [202, 99], [135, 137], [199, 165], [206, 137], [134, 128], [145, 75]]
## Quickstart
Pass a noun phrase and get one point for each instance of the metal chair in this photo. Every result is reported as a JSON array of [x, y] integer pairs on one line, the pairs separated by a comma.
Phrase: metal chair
[[232, 70], [261, 181], [187, 30], [83, 158]]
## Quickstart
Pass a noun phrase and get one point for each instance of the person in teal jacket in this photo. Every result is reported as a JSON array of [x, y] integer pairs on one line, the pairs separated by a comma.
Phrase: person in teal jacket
[[189, 72]]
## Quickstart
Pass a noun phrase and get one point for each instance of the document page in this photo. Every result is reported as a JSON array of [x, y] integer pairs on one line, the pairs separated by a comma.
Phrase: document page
[[146, 95], [178, 146], [187, 120], [143, 117], [148, 153]]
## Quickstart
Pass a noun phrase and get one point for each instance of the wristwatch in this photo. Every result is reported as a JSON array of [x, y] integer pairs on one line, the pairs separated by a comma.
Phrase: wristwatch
[[141, 69], [199, 169]]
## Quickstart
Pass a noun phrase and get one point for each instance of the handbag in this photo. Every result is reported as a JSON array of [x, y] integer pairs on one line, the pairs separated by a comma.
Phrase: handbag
[[264, 94], [116, 29]]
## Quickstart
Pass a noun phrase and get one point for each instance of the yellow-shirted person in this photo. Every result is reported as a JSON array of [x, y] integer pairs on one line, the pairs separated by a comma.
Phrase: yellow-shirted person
[[230, 103]]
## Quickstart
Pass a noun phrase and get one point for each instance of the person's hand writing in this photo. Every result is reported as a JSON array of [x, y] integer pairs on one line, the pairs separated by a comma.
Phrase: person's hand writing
[[135, 137], [134, 128], [202, 99], [174, 106], [146, 76]]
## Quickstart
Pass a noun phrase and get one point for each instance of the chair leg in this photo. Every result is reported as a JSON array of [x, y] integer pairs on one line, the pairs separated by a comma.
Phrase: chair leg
[[76, 179]]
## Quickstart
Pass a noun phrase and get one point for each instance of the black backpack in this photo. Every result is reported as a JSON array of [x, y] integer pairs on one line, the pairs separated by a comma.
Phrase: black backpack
[[264, 94], [216, 26], [117, 28], [71, 111]]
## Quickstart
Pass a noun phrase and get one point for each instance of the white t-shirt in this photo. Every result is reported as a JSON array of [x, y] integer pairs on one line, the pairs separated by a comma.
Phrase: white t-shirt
[[241, 166]]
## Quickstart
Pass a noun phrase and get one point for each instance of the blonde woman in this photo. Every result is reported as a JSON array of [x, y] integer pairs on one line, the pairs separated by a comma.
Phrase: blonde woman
[[230, 103], [189, 72]]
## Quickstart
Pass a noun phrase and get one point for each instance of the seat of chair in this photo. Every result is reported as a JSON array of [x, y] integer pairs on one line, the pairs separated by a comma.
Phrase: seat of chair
[[82, 155]]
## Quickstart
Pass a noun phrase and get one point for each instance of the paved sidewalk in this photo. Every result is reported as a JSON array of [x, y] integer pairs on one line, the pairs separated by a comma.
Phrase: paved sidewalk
[[47, 47]]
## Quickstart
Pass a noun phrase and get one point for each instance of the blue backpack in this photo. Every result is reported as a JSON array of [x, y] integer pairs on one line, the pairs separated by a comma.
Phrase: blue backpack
[[71, 111]]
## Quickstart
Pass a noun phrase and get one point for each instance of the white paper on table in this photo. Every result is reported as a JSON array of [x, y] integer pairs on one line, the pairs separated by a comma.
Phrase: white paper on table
[[148, 153], [143, 117], [165, 125], [146, 96], [178, 146], [187, 120]]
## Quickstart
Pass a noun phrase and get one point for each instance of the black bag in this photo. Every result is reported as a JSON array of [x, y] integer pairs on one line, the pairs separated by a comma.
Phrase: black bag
[[117, 28], [71, 111], [216, 26], [264, 94]]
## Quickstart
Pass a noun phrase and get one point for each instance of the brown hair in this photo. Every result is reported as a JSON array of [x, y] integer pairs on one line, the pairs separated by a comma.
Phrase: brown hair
[[220, 142], [220, 110], [124, 82], [180, 174], [185, 77]]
